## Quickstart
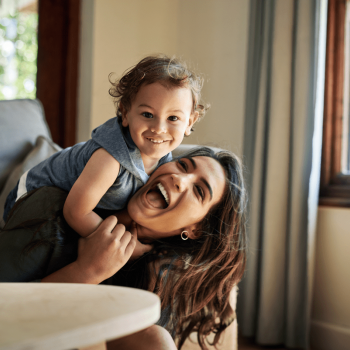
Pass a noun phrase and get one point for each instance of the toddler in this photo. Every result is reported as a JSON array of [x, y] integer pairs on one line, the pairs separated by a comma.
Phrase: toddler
[[157, 103]]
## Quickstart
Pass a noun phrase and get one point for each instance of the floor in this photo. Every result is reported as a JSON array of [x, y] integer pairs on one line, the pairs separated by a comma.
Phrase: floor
[[248, 344]]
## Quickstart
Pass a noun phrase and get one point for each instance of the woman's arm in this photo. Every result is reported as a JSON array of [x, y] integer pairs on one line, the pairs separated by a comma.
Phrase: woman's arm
[[100, 255], [36, 242], [97, 177]]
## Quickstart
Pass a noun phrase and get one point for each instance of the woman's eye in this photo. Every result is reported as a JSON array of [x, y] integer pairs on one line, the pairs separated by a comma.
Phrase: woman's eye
[[200, 192], [147, 115], [183, 164], [173, 118]]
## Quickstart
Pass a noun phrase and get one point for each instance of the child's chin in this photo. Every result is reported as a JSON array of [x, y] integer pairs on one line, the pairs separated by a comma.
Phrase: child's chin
[[159, 153]]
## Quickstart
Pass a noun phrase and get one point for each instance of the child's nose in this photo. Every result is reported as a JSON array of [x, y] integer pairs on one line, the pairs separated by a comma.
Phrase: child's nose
[[182, 181], [158, 127]]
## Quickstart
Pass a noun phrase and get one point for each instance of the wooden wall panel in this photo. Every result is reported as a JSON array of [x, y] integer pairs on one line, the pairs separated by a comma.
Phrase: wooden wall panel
[[58, 58]]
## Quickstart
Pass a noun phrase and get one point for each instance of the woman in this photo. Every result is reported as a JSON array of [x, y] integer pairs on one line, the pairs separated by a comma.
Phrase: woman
[[200, 196]]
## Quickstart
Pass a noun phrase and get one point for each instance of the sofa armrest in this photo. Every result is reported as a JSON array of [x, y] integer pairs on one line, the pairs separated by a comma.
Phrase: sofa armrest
[[22, 121]]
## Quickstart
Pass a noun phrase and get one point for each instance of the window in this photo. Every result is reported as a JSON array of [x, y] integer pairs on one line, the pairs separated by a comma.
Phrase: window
[[335, 172], [18, 49], [39, 57]]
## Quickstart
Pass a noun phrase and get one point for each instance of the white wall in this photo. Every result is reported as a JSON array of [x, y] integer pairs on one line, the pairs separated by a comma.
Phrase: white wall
[[210, 35], [330, 326]]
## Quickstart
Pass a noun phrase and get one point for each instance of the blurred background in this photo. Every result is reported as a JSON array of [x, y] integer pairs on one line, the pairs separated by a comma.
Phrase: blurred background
[[265, 69], [18, 47]]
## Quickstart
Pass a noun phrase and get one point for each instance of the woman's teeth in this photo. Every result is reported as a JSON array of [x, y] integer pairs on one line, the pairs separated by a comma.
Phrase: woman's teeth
[[163, 192]]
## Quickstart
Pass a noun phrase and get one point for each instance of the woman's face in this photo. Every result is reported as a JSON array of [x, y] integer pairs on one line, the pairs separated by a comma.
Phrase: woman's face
[[177, 196]]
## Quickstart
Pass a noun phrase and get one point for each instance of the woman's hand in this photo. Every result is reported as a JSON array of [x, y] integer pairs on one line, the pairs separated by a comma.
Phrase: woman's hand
[[105, 251], [140, 248]]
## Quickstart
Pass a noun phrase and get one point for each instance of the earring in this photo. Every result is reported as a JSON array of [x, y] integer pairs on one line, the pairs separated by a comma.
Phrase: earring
[[184, 235]]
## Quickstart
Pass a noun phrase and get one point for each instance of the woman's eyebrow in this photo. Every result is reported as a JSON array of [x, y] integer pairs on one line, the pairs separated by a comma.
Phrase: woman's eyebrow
[[206, 183], [193, 162]]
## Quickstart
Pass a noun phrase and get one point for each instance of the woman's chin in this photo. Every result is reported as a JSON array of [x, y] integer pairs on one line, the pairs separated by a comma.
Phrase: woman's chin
[[144, 235], [146, 240], [147, 235]]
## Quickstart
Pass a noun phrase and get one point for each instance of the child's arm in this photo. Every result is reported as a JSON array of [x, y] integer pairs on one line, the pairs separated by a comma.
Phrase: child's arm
[[97, 177]]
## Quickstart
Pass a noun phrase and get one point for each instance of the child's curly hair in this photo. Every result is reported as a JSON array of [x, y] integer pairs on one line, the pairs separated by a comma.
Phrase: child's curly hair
[[170, 72]]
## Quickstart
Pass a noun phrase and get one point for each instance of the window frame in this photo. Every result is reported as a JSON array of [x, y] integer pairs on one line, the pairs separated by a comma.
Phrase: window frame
[[334, 186], [58, 65]]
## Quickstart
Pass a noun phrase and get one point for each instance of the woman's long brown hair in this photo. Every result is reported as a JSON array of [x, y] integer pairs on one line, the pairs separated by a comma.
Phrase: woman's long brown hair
[[195, 282]]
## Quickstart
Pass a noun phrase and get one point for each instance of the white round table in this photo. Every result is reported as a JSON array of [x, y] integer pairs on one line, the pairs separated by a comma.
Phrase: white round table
[[61, 316]]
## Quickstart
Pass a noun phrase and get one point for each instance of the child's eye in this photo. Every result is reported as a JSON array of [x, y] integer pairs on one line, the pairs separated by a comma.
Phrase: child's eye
[[173, 118], [183, 164], [147, 115], [200, 191]]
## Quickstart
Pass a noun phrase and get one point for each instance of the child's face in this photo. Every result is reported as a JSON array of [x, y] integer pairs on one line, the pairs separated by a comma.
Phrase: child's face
[[159, 118]]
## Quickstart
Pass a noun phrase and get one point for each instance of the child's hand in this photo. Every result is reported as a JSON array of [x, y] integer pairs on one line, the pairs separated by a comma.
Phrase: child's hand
[[140, 248], [105, 251]]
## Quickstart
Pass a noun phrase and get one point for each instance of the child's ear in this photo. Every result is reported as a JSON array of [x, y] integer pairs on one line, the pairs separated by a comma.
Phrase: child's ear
[[193, 118], [125, 122]]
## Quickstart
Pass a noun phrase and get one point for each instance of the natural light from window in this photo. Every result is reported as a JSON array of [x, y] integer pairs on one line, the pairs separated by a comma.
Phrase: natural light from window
[[18, 49]]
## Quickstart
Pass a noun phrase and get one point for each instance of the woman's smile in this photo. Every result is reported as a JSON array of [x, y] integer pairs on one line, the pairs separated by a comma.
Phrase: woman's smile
[[158, 197], [185, 189]]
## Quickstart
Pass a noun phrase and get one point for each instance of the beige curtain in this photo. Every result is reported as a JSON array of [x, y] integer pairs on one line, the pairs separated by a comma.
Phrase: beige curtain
[[282, 152]]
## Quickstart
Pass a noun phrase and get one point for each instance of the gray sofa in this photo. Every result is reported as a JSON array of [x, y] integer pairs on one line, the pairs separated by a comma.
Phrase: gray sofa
[[25, 140]]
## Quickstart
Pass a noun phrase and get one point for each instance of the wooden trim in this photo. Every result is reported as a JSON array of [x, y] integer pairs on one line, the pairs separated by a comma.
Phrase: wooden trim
[[58, 59], [336, 195], [328, 105], [338, 71], [331, 177]]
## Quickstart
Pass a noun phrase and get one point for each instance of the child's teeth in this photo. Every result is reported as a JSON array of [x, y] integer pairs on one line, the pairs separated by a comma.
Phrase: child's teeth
[[155, 141], [164, 193]]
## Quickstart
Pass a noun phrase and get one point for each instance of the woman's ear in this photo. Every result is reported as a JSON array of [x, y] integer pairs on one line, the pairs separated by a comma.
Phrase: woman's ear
[[193, 118], [192, 231]]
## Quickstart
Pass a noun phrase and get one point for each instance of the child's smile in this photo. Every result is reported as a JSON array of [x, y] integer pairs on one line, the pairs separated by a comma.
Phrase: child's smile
[[158, 119], [157, 141]]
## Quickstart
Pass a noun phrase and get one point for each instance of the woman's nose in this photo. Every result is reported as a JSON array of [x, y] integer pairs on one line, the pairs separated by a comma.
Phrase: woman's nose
[[158, 127], [181, 181]]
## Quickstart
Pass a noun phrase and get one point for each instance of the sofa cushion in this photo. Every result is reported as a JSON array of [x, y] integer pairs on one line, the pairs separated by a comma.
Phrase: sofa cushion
[[21, 122], [43, 149]]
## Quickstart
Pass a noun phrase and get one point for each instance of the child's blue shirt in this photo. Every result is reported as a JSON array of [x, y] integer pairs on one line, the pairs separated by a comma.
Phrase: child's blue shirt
[[63, 168]]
